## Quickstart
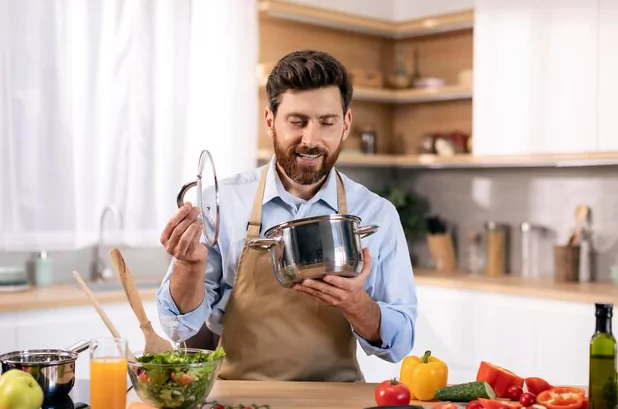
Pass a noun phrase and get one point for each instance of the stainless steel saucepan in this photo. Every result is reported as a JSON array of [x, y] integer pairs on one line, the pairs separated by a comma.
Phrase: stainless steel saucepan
[[315, 246], [53, 369]]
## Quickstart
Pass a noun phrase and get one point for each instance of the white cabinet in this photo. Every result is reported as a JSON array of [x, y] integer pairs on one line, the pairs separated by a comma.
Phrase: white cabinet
[[535, 79], [8, 333], [530, 336], [608, 80], [61, 327]]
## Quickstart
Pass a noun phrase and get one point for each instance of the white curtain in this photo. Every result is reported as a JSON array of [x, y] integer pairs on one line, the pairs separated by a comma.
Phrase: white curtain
[[110, 102]]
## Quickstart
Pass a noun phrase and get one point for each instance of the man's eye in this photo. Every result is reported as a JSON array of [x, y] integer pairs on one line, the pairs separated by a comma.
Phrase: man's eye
[[297, 123], [328, 123]]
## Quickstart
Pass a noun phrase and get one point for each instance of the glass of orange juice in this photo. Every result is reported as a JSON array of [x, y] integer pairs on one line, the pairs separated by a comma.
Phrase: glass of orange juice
[[108, 373]]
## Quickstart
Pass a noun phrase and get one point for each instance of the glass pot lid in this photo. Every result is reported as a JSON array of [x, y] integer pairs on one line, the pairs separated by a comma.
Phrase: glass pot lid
[[207, 197]]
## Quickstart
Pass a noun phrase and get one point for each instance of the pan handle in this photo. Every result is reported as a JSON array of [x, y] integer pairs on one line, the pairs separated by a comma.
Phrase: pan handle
[[263, 244], [365, 231], [79, 346]]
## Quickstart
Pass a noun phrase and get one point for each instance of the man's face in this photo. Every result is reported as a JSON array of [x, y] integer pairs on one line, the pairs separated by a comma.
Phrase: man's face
[[308, 133]]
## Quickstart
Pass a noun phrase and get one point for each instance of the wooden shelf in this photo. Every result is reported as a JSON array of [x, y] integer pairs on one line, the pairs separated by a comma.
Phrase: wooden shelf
[[406, 96], [357, 23], [521, 286], [469, 161]]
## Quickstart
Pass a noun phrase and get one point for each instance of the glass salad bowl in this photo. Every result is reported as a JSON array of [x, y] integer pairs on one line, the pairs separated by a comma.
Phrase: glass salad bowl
[[178, 379]]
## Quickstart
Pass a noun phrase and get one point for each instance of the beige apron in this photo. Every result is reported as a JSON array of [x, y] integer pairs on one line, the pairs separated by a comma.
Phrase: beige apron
[[274, 333]]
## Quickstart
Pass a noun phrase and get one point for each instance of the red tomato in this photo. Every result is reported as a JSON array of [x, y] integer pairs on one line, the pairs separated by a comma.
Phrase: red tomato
[[499, 404], [537, 385], [392, 392], [515, 392], [474, 404], [498, 378], [527, 399]]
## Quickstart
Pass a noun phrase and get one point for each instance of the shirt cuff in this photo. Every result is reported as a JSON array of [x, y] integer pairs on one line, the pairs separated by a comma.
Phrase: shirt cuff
[[390, 320], [178, 327]]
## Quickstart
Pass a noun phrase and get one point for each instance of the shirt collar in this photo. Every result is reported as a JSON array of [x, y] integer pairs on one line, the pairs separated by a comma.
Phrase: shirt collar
[[274, 188]]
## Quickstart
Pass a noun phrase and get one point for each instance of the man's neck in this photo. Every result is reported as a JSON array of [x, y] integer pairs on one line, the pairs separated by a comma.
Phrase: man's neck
[[305, 192]]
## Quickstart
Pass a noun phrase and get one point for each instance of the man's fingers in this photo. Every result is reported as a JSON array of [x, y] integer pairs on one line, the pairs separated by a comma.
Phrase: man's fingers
[[317, 295], [180, 214], [195, 241], [188, 237], [180, 229], [324, 288]]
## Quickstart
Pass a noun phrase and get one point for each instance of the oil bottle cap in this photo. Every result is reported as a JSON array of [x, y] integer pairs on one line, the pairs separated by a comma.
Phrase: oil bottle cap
[[604, 309]]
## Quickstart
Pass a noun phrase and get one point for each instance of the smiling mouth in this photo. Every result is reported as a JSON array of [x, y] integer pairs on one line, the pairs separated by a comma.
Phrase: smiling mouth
[[304, 156]]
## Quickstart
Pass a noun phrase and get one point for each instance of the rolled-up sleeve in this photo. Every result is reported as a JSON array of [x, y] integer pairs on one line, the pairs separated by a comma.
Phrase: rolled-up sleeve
[[179, 327], [391, 285]]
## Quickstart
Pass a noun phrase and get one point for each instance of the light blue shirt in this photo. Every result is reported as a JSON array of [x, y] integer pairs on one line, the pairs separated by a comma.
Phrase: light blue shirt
[[390, 282]]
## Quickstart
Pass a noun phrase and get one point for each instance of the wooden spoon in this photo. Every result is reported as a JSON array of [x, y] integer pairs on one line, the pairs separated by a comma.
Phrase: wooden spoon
[[154, 342], [102, 314]]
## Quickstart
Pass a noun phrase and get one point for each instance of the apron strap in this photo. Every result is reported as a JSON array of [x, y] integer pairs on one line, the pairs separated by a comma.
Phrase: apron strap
[[342, 202], [255, 220]]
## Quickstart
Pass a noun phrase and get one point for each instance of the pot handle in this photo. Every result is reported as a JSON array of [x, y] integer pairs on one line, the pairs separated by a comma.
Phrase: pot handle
[[79, 346], [365, 231], [263, 244]]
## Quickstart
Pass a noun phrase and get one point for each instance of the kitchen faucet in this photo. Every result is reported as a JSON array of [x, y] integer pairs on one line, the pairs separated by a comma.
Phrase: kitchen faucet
[[99, 270]]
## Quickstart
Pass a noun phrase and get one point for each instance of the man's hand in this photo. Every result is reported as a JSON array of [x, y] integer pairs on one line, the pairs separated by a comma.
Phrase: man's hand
[[181, 236], [349, 295]]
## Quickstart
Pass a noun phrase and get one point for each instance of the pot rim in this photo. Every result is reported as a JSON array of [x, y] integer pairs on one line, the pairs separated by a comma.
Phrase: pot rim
[[15, 357], [272, 232]]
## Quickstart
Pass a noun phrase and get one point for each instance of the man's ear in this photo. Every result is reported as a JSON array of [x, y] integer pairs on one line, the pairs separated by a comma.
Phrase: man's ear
[[347, 123], [269, 121]]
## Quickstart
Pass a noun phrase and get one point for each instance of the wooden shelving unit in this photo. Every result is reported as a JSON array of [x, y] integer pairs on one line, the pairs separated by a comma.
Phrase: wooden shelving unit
[[366, 25], [469, 161], [408, 96]]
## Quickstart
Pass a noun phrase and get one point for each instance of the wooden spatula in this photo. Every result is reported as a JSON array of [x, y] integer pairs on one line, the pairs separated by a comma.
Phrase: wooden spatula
[[154, 342], [102, 314]]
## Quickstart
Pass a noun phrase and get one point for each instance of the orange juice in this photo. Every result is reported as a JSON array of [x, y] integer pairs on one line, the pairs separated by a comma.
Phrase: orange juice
[[108, 383]]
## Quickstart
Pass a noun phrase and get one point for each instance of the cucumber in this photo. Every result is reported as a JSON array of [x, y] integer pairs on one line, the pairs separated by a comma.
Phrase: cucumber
[[466, 392]]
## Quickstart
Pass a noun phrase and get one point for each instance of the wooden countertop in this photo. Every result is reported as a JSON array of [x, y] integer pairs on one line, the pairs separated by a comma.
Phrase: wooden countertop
[[70, 295], [62, 295], [525, 287], [292, 395]]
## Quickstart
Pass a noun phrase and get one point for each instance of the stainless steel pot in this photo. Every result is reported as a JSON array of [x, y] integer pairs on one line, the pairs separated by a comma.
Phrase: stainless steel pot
[[53, 369], [315, 246]]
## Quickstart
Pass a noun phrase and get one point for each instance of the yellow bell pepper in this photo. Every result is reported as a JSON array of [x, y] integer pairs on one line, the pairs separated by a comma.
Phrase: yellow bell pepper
[[423, 376]]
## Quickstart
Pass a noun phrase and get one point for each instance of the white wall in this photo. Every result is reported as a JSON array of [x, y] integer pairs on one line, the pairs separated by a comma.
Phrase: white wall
[[413, 9], [397, 10]]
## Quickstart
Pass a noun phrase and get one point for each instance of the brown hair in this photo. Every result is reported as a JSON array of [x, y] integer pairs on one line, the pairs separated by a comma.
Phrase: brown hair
[[305, 70]]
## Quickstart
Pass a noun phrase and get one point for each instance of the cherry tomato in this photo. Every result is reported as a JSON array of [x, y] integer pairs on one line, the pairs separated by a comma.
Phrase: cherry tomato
[[527, 399], [392, 392], [474, 404], [515, 392]]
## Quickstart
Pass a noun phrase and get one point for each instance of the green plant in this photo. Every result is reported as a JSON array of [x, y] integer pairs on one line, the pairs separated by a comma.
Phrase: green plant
[[412, 209]]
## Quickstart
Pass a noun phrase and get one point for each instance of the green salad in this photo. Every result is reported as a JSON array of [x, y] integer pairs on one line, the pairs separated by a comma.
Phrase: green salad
[[184, 381]]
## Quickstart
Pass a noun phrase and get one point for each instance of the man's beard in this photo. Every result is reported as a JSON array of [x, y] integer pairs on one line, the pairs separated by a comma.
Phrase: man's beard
[[305, 174]]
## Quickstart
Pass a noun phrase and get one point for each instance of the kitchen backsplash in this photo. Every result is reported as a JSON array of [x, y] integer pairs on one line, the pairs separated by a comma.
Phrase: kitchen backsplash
[[141, 261], [548, 197], [465, 198]]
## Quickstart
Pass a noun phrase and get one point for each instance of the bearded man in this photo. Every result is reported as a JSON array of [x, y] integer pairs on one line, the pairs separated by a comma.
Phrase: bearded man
[[309, 332]]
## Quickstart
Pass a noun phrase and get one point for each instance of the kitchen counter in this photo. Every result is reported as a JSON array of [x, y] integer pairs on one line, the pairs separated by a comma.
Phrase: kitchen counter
[[293, 395], [524, 287], [70, 295]]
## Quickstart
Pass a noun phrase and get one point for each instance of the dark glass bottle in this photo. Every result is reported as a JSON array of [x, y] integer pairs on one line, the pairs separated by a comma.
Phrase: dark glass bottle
[[602, 380]]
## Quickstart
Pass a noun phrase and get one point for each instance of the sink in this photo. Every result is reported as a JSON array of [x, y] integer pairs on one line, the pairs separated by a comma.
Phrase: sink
[[103, 286]]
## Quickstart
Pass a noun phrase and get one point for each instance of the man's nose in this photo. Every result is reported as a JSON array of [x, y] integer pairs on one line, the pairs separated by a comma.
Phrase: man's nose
[[311, 134]]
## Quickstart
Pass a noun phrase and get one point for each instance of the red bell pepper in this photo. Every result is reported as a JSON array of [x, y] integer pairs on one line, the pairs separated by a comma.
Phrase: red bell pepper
[[498, 378]]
